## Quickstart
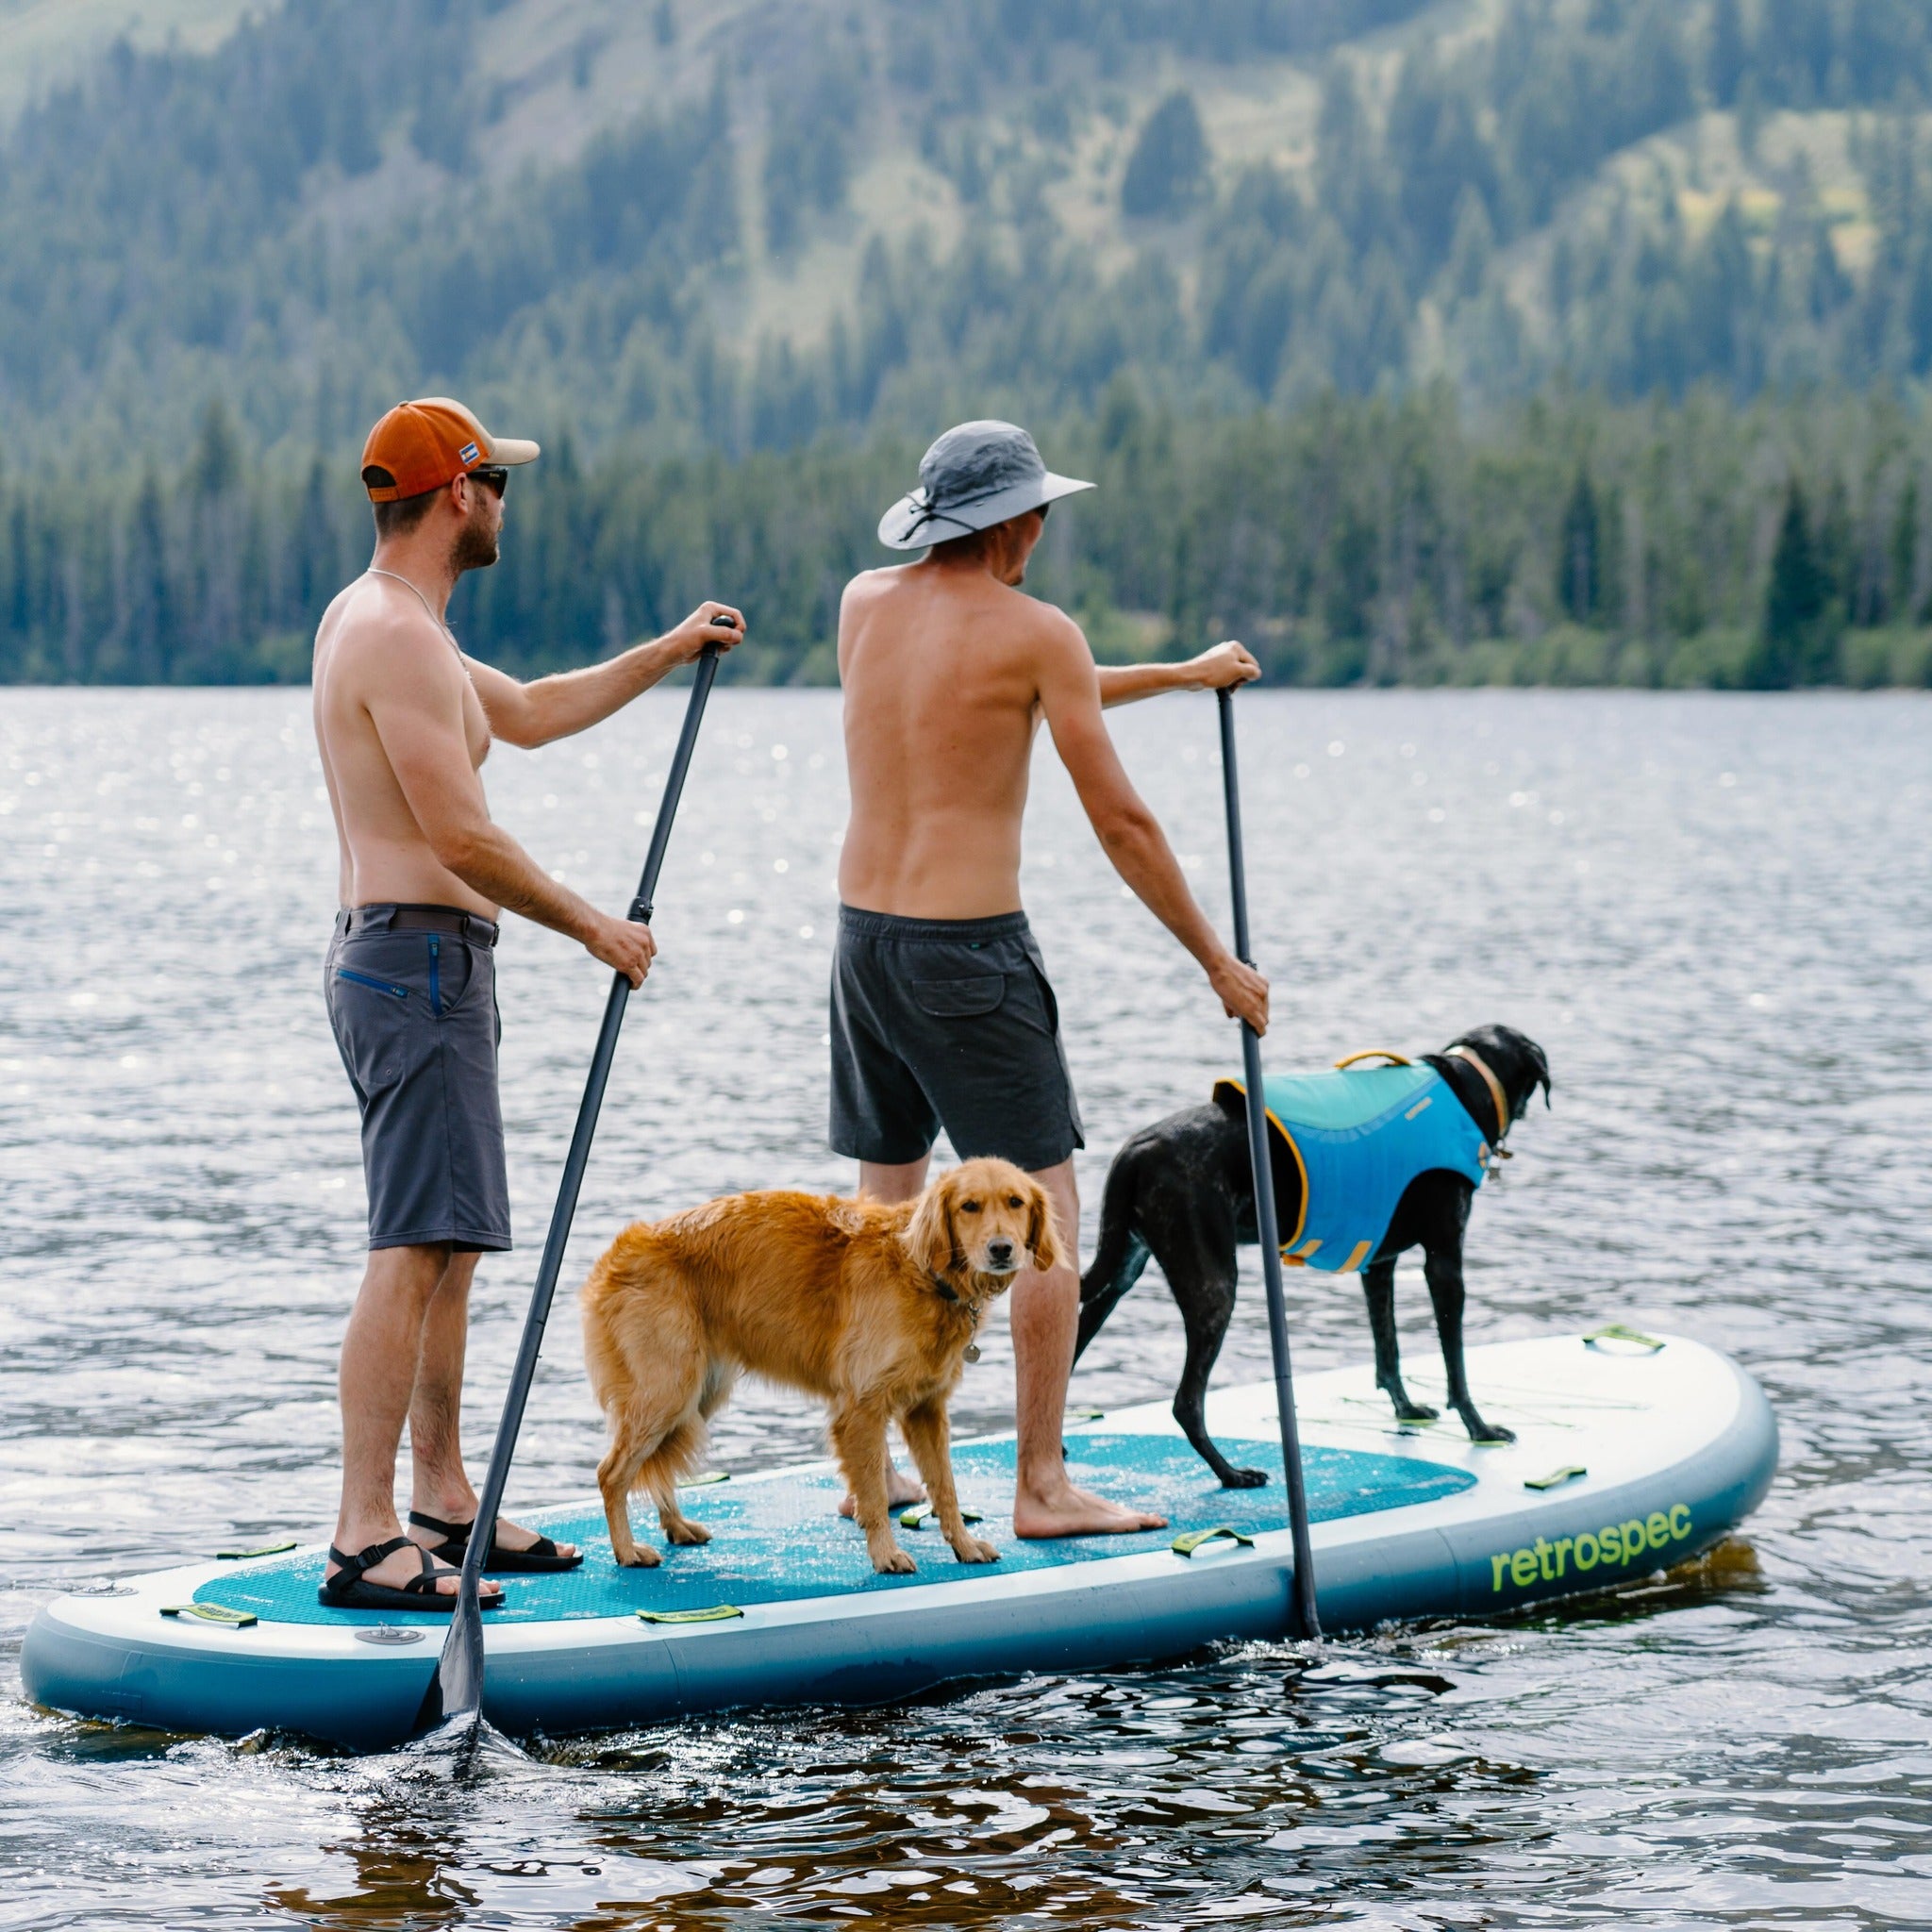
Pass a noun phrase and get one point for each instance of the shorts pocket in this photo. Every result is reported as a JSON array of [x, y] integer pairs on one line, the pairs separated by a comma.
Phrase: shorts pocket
[[451, 972], [388, 985], [1047, 1001], [961, 999]]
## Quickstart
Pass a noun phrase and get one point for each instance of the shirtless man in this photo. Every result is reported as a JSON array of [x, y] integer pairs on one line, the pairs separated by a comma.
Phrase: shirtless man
[[403, 720], [941, 1014]]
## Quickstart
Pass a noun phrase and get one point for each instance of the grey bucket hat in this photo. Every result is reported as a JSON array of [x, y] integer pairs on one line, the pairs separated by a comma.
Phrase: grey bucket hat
[[976, 476]]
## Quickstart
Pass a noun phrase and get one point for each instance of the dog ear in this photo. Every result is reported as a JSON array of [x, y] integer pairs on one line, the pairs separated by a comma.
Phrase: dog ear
[[1042, 1231], [1542, 1073], [929, 1236]]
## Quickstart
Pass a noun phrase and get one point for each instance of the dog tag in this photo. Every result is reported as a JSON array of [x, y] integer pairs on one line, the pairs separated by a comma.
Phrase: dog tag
[[972, 1351]]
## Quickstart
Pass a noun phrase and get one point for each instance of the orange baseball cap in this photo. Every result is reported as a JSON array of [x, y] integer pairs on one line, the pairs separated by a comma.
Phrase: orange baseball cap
[[422, 445]]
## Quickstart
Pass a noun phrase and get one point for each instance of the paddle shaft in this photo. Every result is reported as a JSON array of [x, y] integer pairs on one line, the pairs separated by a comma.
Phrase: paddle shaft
[[1302, 1620], [456, 1689]]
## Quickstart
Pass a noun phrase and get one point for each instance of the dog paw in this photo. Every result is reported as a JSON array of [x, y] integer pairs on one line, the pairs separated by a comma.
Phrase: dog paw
[[1417, 1412], [972, 1549], [1481, 1431], [688, 1535], [894, 1564], [1244, 1479], [644, 1558]]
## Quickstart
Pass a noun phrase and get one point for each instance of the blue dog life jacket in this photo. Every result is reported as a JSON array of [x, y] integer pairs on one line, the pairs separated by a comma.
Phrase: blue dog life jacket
[[1353, 1139]]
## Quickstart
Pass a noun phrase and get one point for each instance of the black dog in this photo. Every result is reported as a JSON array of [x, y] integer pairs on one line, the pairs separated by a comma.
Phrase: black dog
[[1182, 1190]]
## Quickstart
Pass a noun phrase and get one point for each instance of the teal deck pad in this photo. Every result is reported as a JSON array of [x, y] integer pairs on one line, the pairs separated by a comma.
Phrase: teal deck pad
[[780, 1540]]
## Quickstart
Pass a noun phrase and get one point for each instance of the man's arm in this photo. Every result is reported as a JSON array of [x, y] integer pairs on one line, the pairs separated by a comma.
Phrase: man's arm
[[416, 707], [1225, 664], [570, 701], [1129, 834]]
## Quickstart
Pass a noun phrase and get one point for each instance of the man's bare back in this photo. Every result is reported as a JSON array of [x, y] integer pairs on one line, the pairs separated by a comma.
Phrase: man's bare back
[[942, 672]]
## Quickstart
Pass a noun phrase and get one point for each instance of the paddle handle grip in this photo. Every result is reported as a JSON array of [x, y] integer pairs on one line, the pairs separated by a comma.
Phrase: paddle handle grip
[[1304, 1620]]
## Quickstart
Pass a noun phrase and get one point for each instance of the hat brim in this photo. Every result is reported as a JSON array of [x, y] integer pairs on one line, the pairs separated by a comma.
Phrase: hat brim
[[909, 526], [509, 451]]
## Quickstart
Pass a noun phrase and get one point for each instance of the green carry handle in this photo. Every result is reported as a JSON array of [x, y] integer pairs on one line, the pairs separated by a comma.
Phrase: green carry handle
[[922, 1513], [718, 1613], [1556, 1478], [1186, 1544], [1616, 1331], [212, 1613]]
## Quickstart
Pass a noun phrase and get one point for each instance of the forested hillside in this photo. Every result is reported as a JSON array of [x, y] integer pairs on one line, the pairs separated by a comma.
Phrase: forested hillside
[[1355, 540], [1626, 265]]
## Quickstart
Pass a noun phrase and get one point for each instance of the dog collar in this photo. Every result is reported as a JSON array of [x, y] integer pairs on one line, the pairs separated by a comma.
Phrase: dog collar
[[1494, 1084], [948, 1292]]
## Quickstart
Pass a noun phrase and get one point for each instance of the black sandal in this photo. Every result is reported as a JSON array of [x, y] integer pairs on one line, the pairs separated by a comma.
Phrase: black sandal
[[348, 1589], [542, 1555]]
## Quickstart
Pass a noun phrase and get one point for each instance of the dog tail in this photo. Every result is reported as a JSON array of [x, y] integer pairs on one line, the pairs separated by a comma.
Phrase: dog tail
[[1118, 1259]]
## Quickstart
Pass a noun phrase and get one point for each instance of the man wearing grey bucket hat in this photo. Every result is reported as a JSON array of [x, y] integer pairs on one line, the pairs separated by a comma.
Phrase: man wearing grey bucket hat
[[942, 1016]]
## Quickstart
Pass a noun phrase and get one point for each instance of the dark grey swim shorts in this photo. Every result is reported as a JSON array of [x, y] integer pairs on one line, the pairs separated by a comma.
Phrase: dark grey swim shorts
[[414, 1014], [947, 1023]]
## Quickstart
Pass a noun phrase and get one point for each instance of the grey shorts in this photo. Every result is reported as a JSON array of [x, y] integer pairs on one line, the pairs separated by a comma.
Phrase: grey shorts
[[947, 1023], [415, 1019]]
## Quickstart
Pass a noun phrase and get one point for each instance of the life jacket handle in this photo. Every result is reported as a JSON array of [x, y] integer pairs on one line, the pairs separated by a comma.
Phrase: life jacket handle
[[1376, 1052]]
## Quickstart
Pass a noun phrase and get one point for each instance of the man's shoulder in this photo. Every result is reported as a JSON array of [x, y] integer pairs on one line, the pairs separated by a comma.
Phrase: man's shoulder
[[874, 583], [378, 641], [1041, 623]]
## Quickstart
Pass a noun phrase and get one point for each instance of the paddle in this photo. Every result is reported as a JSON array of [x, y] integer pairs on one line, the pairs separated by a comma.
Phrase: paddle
[[1302, 1619], [457, 1688]]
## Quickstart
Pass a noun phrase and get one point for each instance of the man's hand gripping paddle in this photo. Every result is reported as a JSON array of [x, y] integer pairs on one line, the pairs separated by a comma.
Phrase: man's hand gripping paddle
[[455, 1691], [1303, 1622]]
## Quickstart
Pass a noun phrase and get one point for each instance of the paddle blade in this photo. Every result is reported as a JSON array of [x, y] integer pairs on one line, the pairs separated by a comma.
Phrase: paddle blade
[[457, 1688]]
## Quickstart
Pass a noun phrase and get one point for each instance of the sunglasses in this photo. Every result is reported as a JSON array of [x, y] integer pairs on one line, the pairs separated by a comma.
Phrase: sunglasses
[[494, 478]]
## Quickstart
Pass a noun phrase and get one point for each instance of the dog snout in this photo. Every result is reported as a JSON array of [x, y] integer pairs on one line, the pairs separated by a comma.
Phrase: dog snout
[[1001, 1251]]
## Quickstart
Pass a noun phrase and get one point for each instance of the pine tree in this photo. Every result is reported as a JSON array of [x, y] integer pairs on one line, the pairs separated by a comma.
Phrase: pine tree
[[1796, 603], [1167, 169], [1580, 578]]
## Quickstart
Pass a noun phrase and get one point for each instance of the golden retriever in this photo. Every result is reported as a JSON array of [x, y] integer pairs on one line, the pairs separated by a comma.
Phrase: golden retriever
[[872, 1308]]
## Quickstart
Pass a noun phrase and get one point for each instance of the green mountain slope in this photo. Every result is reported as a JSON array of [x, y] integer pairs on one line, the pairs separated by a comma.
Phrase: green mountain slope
[[742, 223]]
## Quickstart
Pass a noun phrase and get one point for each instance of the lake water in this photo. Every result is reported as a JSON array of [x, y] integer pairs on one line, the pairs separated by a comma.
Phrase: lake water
[[1716, 914]]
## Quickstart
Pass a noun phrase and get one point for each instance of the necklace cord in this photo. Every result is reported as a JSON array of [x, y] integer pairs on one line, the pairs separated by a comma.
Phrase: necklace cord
[[397, 577]]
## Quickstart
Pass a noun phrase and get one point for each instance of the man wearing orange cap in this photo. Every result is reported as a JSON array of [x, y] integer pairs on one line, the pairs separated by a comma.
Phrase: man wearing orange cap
[[405, 720]]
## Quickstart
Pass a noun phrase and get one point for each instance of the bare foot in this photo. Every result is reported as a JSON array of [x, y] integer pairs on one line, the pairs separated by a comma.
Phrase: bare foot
[[1068, 1512], [900, 1490], [400, 1569], [510, 1536]]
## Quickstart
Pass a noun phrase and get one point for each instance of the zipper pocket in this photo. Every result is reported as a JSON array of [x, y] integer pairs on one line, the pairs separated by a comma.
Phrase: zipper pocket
[[435, 975], [401, 992]]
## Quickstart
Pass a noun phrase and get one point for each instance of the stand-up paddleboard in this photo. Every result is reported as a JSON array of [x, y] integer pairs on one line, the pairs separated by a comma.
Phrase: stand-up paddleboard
[[1633, 1453]]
